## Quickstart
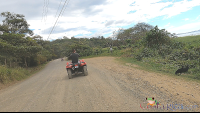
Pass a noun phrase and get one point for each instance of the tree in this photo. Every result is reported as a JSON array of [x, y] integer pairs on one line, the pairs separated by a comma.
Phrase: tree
[[15, 23], [156, 38], [38, 39], [6, 50], [65, 37], [73, 37], [135, 33], [139, 31], [16, 47]]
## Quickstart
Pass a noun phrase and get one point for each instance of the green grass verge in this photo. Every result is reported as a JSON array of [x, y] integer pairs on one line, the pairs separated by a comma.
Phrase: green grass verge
[[188, 38], [191, 40], [8, 75], [164, 66], [151, 66]]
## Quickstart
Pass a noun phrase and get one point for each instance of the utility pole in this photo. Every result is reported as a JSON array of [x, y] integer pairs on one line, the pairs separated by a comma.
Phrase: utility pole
[[113, 37]]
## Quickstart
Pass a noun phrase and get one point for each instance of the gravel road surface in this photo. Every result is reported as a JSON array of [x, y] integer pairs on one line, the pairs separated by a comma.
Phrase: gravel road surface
[[109, 87]]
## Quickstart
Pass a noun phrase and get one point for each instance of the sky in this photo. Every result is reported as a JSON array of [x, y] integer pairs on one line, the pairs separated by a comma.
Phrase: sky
[[54, 19]]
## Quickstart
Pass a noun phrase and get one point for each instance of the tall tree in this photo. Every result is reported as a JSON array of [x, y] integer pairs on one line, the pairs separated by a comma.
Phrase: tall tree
[[136, 32], [15, 23]]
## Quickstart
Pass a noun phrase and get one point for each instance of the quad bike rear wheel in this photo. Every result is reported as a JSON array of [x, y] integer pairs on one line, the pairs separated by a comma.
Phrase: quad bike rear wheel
[[69, 71], [85, 72]]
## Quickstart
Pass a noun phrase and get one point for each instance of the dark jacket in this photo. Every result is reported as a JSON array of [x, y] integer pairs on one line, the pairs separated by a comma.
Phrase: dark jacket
[[74, 57]]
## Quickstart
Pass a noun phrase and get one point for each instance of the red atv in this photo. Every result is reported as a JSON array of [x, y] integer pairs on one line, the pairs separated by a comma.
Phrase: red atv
[[74, 68]]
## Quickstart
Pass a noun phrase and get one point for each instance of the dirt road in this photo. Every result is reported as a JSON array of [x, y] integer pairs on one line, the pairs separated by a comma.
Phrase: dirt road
[[109, 86]]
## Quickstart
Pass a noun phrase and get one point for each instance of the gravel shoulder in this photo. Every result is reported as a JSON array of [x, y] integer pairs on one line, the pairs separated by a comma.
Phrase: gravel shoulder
[[109, 87]]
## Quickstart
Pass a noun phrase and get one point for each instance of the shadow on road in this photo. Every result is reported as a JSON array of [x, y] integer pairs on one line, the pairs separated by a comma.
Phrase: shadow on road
[[76, 75]]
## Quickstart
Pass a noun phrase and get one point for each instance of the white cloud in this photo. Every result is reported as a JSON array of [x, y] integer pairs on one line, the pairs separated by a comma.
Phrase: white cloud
[[185, 28], [97, 17], [167, 25], [196, 18], [179, 7], [186, 19]]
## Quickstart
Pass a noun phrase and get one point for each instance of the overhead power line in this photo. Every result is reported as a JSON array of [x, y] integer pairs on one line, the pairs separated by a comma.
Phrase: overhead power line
[[57, 12], [57, 19], [65, 7], [188, 32], [45, 10], [58, 8], [61, 14]]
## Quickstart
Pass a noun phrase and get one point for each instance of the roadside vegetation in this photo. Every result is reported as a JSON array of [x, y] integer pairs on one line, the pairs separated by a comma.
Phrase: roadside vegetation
[[22, 52], [161, 51], [8, 75]]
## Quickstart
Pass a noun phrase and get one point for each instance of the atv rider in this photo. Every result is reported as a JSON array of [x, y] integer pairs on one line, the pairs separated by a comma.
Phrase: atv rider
[[74, 56]]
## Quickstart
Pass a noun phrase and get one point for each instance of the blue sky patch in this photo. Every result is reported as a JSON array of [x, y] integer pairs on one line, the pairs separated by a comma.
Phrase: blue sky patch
[[132, 4], [131, 12], [167, 6]]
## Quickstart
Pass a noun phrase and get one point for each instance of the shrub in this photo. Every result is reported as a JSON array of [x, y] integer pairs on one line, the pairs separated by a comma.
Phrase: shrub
[[176, 44], [156, 38], [164, 50], [145, 52]]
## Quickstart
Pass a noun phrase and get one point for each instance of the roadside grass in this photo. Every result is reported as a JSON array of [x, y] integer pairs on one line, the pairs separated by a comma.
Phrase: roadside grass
[[152, 66], [188, 38], [155, 63], [8, 75], [193, 41]]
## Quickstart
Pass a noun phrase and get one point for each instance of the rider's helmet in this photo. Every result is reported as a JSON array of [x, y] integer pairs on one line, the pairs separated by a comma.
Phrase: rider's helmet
[[74, 51]]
